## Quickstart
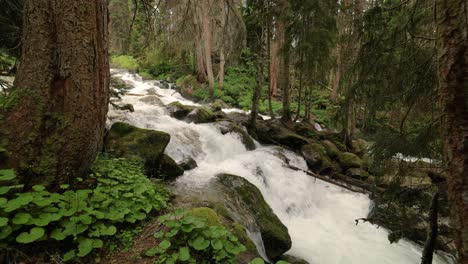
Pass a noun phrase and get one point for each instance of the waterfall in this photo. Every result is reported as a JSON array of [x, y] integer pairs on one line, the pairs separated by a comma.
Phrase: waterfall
[[320, 216]]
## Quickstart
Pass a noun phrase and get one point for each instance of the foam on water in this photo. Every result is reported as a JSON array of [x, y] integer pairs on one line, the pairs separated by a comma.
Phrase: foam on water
[[320, 216]]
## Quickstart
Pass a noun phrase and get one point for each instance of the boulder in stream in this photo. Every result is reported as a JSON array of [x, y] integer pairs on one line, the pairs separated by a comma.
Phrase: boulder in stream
[[178, 110], [349, 160], [201, 115], [242, 195], [274, 132], [188, 164], [316, 157], [231, 127]]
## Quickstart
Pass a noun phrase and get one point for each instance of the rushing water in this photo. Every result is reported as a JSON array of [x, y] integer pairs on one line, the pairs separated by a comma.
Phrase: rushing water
[[320, 217]]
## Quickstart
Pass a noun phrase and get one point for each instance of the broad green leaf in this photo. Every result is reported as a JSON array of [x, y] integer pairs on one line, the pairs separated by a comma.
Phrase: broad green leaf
[[158, 235], [34, 234], [3, 221], [21, 218], [282, 262], [200, 243], [217, 244], [152, 252], [57, 234], [165, 244], [6, 175], [184, 253], [5, 232], [85, 245], [257, 261], [4, 190], [69, 255], [38, 188]]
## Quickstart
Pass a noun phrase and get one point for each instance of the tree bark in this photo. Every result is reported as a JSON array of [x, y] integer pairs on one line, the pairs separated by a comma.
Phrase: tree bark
[[205, 18], [56, 126], [452, 36], [429, 246], [201, 71], [283, 81], [275, 58]]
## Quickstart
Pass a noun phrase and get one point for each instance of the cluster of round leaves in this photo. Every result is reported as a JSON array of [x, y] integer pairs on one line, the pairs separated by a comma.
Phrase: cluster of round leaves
[[84, 217], [191, 239]]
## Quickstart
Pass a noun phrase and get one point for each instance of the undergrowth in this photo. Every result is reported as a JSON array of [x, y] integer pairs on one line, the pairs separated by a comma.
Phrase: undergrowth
[[83, 219]]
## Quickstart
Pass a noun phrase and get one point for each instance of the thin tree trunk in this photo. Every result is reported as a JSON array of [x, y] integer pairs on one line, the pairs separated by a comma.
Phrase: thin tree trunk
[[222, 60], [452, 36], [298, 111], [56, 127], [269, 25], [205, 18], [429, 246], [275, 58]]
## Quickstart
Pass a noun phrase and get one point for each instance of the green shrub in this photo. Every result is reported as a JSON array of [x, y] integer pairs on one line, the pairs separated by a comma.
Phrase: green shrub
[[125, 62], [84, 218], [191, 239]]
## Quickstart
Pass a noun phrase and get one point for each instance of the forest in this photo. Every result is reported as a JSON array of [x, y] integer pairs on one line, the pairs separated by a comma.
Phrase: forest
[[234, 131]]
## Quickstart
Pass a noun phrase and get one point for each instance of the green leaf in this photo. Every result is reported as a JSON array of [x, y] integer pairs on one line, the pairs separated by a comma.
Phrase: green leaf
[[21, 218], [34, 234], [5, 232], [200, 243], [217, 244], [4, 190], [6, 175], [184, 253], [172, 233], [152, 252], [165, 244], [64, 186], [69, 255], [38, 188], [3, 221], [158, 235], [57, 234], [257, 261], [84, 247], [282, 262]]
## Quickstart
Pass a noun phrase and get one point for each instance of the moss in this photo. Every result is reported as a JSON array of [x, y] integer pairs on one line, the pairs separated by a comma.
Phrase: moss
[[125, 62], [349, 160], [218, 105], [178, 110], [124, 140], [202, 115], [240, 232], [316, 157], [208, 214], [331, 149], [274, 234]]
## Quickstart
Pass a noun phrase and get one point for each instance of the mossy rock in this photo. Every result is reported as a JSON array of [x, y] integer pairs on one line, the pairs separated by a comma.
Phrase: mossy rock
[[316, 157], [231, 127], [152, 100], [241, 233], [201, 115], [187, 85], [349, 160], [169, 169], [274, 132], [357, 173], [291, 259], [273, 232], [188, 164], [305, 129], [178, 110], [331, 149], [124, 140], [218, 105], [210, 216], [359, 146]]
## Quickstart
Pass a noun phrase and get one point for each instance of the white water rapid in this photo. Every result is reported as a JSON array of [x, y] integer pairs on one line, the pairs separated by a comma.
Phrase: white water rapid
[[320, 216]]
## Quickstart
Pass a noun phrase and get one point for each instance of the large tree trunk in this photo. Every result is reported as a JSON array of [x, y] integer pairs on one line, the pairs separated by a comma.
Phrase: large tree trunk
[[283, 81], [56, 126], [275, 58], [452, 31], [205, 18]]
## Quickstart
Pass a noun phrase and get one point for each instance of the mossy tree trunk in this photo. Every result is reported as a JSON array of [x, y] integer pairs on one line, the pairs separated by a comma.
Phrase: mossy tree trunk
[[55, 127], [452, 43]]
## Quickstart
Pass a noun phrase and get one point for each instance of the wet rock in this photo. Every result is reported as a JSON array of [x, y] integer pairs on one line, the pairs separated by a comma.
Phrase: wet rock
[[349, 160], [125, 107], [331, 149], [291, 259], [151, 91], [152, 100], [124, 140], [359, 146], [316, 157], [201, 115], [245, 196], [274, 132], [305, 129], [187, 85], [231, 127], [218, 104], [178, 110], [164, 85], [188, 164], [357, 173]]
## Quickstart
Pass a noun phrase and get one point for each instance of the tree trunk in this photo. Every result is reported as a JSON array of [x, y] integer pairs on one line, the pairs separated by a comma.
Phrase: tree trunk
[[283, 81], [432, 231], [205, 18], [56, 126], [222, 60], [201, 71], [452, 44], [268, 43], [275, 57]]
